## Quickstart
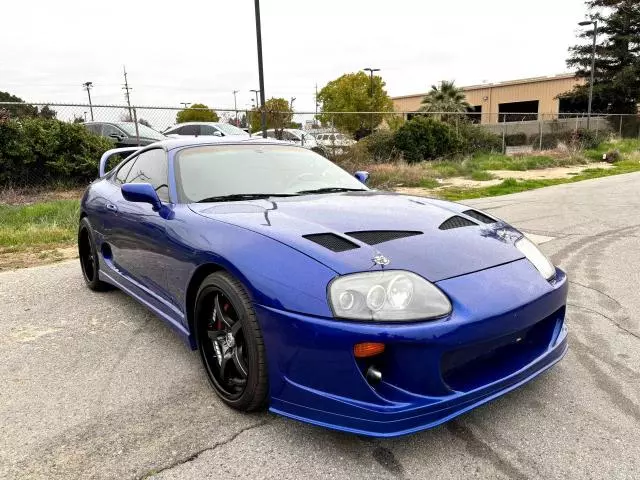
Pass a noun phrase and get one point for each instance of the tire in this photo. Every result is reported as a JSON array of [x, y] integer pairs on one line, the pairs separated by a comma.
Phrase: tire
[[88, 256], [236, 367]]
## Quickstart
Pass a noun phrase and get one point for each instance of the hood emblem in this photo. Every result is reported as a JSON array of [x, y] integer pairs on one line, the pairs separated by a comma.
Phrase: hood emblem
[[380, 259]]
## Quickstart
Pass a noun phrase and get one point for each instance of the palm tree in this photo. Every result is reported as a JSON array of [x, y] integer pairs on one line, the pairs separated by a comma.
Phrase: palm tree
[[445, 98]]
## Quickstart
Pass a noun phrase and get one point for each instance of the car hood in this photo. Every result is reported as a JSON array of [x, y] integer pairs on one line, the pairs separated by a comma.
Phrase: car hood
[[432, 252]]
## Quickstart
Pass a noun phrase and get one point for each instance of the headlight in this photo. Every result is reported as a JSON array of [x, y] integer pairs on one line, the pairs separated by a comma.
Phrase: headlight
[[536, 257], [388, 295]]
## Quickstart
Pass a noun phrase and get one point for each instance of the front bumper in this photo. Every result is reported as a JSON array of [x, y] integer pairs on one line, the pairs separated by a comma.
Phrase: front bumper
[[507, 326]]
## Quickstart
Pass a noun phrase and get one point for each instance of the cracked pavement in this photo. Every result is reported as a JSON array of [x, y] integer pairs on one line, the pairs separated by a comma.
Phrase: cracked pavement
[[95, 386]]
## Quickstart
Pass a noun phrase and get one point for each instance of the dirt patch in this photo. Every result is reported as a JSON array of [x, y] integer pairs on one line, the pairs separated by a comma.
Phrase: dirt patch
[[27, 196], [11, 259], [546, 173]]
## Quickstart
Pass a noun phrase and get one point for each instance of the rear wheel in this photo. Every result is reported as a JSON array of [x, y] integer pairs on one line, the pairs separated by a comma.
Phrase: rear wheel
[[89, 257], [230, 342]]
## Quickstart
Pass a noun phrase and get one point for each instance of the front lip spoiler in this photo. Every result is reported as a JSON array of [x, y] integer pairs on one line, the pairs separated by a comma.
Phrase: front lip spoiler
[[557, 352]]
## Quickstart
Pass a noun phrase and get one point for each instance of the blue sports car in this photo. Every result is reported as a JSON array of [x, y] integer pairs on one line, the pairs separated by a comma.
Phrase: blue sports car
[[304, 291]]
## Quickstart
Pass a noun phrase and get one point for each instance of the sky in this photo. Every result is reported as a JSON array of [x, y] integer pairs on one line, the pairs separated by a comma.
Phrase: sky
[[201, 51]]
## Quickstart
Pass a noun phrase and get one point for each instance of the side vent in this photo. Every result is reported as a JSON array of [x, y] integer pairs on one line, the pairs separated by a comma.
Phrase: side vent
[[373, 237], [456, 222], [481, 217], [331, 241]]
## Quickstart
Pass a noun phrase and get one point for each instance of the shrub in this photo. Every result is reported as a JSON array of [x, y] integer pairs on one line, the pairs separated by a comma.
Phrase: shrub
[[380, 146], [478, 139], [516, 139], [37, 151], [425, 139]]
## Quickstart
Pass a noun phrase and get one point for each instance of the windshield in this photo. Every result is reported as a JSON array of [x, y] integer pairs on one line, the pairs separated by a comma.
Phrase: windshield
[[146, 132], [216, 171], [229, 129]]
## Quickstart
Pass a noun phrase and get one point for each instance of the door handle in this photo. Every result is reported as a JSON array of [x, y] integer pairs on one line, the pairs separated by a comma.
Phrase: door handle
[[111, 207]]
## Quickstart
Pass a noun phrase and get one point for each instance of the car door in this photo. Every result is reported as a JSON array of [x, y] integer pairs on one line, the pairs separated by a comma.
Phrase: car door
[[137, 234]]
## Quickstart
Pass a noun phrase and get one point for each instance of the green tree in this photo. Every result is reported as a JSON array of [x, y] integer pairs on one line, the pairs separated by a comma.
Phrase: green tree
[[353, 92], [279, 116], [15, 111], [445, 97], [198, 112], [616, 87]]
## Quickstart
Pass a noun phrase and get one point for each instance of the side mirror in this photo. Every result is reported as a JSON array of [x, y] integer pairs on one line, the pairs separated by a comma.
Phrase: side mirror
[[116, 136], [363, 177], [217, 134], [142, 193]]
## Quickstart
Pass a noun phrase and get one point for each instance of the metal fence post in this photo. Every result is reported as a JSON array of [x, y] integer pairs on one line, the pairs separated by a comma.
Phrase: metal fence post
[[621, 117], [135, 120], [504, 135], [540, 134]]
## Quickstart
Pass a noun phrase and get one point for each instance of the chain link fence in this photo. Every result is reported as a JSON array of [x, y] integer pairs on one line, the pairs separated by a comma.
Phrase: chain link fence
[[332, 133]]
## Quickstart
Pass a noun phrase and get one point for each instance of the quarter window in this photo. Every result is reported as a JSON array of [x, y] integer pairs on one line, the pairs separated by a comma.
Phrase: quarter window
[[151, 167], [207, 130]]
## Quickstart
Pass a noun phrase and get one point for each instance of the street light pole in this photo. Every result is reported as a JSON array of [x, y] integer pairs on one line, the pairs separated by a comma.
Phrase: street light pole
[[371, 70], [593, 66], [235, 105], [88, 86], [260, 69]]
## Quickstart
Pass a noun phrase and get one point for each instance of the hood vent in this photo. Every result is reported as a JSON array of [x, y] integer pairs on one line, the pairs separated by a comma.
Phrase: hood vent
[[332, 241], [481, 217], [456, 222], [373, 237]]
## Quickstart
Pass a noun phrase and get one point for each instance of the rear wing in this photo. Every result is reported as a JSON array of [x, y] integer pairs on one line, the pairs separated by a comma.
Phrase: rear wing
[[110, 153]]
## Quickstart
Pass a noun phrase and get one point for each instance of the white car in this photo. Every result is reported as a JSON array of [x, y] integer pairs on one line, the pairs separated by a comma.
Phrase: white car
[[204, 129], [295, 136], [336, 143]]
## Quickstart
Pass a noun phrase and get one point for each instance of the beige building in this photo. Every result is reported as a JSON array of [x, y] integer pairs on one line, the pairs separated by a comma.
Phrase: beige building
[[516, 100]]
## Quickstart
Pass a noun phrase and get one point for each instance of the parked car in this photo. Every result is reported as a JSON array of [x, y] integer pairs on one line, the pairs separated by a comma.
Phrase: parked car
[[303, 290], [337, 143], [124, 133], [295, 137], [204, 129]]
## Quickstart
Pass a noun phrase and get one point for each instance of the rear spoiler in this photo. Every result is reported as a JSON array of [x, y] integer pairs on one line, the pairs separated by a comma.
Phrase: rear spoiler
[[110, 153]]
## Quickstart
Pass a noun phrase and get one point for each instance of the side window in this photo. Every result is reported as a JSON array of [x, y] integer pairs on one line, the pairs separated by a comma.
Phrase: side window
[[109, 129], [152, 167], [207, 130], [94, 128], [123, 171], [173, 131], [271, 134], [289, 137], [189, 130]]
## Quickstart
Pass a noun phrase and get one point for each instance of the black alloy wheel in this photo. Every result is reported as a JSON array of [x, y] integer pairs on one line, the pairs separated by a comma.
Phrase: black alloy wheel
[[230, 342], [88, 257]]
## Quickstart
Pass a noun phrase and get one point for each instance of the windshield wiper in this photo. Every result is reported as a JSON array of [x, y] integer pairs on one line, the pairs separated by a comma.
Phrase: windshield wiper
[[243, 196], [332, 190]]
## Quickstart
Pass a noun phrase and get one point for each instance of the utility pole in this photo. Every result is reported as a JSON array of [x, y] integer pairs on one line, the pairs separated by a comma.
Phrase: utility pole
[[235, 105], [293, 99], [185, 104], [316, 102], [126, 89], [260, 69], [88, 86], [371, 70]]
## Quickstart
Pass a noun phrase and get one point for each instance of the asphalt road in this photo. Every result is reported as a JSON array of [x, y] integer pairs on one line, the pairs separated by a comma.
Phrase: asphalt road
[[94, 386]]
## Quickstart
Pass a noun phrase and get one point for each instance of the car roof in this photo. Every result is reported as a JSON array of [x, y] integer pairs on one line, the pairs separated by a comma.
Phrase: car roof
[[197, 123], [175, 143]]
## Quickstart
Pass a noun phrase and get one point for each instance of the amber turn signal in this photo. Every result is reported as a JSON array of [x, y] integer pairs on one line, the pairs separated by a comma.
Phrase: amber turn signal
[[367, 349]]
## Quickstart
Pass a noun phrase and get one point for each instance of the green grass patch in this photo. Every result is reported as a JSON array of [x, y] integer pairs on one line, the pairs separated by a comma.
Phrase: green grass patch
[[626, 147], [44, 223], [481, 176], [511, 185]]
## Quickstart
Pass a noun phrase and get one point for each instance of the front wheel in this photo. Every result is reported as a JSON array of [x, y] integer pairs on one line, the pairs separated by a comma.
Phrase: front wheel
[[230, 342]]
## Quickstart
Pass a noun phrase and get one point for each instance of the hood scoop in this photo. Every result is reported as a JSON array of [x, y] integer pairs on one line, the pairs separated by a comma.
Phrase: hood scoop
[[456, 222], [481, 217], [333, 242], [373, 237]]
